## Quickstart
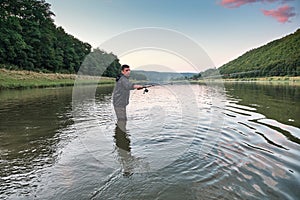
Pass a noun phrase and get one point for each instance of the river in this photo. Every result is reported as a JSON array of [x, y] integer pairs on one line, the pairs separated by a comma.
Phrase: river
[[240, 141]]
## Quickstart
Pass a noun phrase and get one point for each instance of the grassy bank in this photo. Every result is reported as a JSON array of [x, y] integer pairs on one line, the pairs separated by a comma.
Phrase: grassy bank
[[10, 79], [269, 80], [260, 80], [273, 78]]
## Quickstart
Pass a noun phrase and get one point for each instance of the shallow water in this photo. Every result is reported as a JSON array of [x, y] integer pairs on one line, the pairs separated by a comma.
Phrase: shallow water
[[240, 141]]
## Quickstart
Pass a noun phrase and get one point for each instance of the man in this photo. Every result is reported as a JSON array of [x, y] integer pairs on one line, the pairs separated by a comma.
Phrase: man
[[121, 95]]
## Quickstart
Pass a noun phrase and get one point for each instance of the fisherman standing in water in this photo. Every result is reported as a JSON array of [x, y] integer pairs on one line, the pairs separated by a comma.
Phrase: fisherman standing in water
[[121, 95]]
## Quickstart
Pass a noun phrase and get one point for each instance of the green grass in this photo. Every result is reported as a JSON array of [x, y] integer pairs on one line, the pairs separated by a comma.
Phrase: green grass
[[26, 79], [274, 80]]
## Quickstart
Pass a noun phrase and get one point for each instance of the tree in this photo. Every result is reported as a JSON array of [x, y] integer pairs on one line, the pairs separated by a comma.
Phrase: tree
[[277, 58], [30, 40], [100, 63]]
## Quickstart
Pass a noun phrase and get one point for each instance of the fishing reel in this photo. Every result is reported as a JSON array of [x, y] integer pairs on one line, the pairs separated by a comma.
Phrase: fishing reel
[[145, 90]]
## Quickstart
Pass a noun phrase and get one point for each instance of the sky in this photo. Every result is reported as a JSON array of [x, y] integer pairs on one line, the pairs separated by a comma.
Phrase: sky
[[223, 29]]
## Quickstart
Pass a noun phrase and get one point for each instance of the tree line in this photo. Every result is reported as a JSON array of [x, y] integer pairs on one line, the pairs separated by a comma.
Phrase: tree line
[[30, 40], [278, 58]]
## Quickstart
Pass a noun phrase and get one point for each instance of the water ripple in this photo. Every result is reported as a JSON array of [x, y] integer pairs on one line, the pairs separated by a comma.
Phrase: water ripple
[[215, 148]]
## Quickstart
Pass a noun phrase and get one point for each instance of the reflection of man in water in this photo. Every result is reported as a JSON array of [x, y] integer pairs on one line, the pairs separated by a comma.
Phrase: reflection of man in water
[[129, 162], [121, 94], [123, 147]]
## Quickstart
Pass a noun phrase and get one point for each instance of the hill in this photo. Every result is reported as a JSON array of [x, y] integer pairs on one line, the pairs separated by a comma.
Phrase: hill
[[155, 76], [278, 58]]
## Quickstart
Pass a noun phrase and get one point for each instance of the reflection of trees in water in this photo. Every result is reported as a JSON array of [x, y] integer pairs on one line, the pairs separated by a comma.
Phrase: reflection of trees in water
[[30, 132], [279, 102], [31, 125]]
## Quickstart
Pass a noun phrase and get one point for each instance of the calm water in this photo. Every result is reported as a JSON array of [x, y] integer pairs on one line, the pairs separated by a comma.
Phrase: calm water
[[181, 142]]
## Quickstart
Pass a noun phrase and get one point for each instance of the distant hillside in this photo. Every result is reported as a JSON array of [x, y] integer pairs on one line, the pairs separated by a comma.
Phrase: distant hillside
[[159, 76], [278, 58]]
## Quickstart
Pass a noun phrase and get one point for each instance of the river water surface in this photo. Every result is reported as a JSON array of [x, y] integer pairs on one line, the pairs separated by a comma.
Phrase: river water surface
[[181, 142]]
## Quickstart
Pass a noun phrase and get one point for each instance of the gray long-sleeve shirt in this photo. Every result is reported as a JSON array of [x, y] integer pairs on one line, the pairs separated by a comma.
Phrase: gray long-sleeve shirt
[[121, 92]]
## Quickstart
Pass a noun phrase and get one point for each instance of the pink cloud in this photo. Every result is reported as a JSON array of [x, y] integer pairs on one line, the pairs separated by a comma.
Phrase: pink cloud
[[282, 14], [235, 3], [238, 3]]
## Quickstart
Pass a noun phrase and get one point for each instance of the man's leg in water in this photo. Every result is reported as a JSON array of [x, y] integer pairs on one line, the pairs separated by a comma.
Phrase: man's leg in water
[[121, 117]]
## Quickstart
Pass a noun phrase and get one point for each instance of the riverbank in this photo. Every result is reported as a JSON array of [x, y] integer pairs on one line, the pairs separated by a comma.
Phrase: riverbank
[[275, 80], [21, 79], [11, 79]]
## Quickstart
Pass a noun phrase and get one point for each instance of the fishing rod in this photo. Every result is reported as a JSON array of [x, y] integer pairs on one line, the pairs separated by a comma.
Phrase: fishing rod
[[145, 87]]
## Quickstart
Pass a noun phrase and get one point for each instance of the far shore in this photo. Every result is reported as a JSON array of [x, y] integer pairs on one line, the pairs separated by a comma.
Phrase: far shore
[[274, 80], [21, 79]]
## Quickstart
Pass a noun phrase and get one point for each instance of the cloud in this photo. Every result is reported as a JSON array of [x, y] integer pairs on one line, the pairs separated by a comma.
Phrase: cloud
[[238, 3], [282, 14]]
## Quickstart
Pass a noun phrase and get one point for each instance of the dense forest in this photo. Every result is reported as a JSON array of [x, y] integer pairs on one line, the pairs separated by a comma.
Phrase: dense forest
[[278, 58], [30, 40]]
